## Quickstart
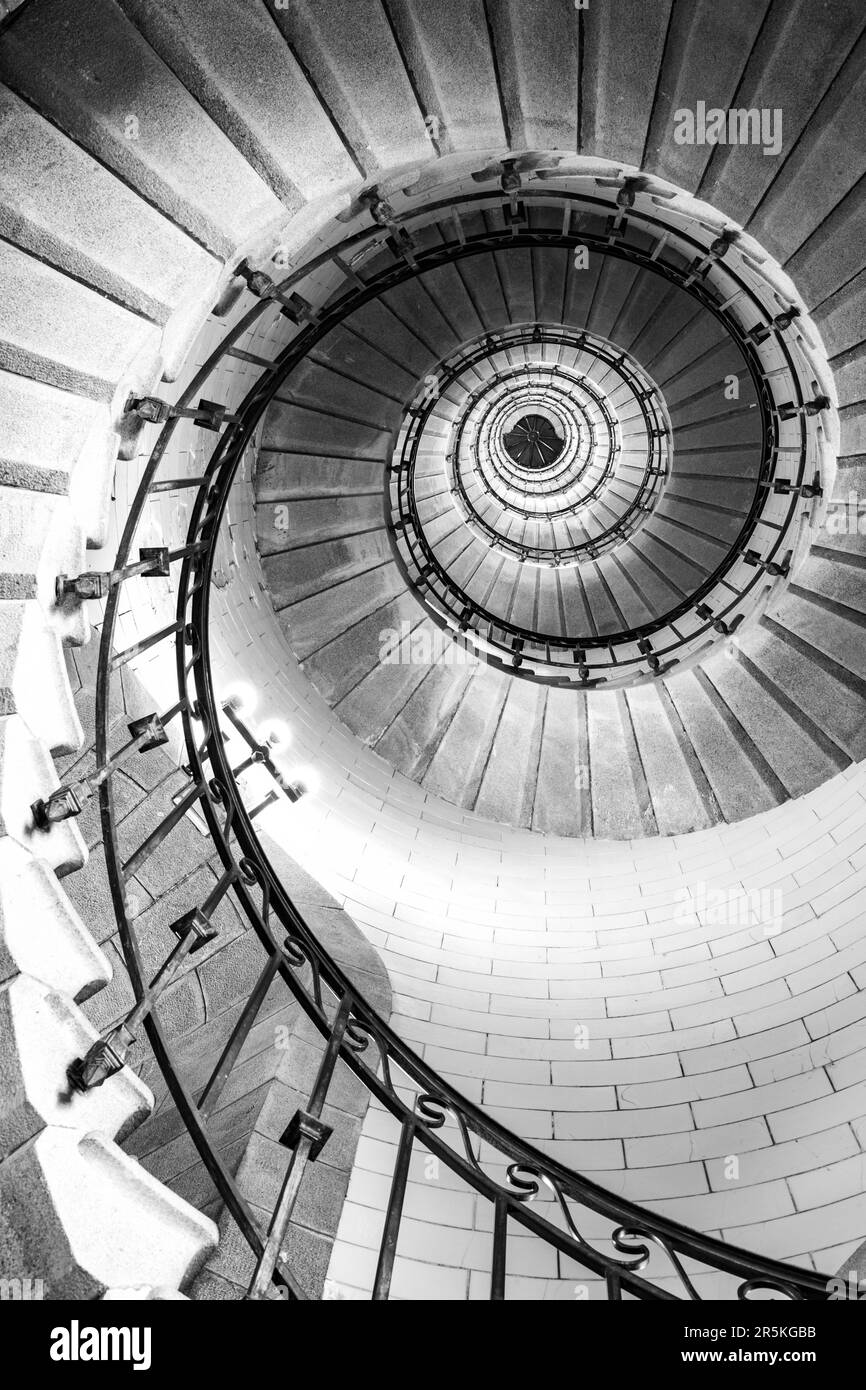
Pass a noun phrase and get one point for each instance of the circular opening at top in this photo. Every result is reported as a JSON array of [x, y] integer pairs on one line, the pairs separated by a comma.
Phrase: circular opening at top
[[534, 442]]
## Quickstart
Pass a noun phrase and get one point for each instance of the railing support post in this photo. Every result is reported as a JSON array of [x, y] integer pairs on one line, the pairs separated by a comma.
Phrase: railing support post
[[306, 1135]]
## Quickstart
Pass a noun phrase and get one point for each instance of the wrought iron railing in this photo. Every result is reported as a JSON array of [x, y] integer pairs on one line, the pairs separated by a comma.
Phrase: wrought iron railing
[[560, 500], [763, 552], [643, 1255]]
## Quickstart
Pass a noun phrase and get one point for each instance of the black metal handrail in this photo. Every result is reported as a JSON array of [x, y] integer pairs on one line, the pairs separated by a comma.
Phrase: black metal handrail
[[552, 657], [436, 1117], [506, 379]]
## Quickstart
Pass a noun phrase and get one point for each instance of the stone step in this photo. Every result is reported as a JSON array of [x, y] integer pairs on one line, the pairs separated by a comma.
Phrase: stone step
[[313, 622], [540, 94], [79, 74], [621, 806], [315, 431], [33, 677], [450, 288], [380, 326], [484, 288], [704, 378], [373, 366], [245, 76], [41, 934], [809, 683], [563, 793], [42, 540], [416, 732], [353, 58], [297, 574], [661, 553], [86, 345], [93, 1219], [42, 1033], [60, 444], [441, 49], [319, 385], [411, 650], [414, 307], [27, 775], [839, 589], [788, 743], [75, 215], [703, 52], [669, 764], [526, 589], [341, 664], [594, 598], [575, 614], [282, 476], [507, 790], [833, 636], [694, 546], [315, 521], [643, 319], [459, 762], [819, 174], [831, 255], [741, 780]]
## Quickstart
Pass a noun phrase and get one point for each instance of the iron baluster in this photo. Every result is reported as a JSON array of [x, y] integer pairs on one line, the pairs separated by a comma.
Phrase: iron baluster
[[394, 1213], [176, 484], [306, 1135], [121, 658], [148, 732], [500, 1240], [193, 930], [153, 563], [213, 1089], [156, 836], [266, 801], [208, 415]]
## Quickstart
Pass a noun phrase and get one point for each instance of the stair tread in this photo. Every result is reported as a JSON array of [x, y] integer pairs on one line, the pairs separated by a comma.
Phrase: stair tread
[[181, 161]]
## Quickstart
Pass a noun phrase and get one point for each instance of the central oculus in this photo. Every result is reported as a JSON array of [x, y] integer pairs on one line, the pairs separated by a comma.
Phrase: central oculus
[[533, 442]]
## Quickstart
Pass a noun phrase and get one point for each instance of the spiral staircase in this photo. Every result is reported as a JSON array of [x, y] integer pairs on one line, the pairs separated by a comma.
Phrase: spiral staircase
[[349, 332], [575, 604]]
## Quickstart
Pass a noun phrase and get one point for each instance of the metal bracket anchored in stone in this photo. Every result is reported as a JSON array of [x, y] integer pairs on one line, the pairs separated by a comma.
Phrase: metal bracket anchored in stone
[[777, 568], [294, 307], [153, 563], [813, 489], [148, 732], [726, 629], [209, 415], [789, 410], [194, 929], [761, 332]]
